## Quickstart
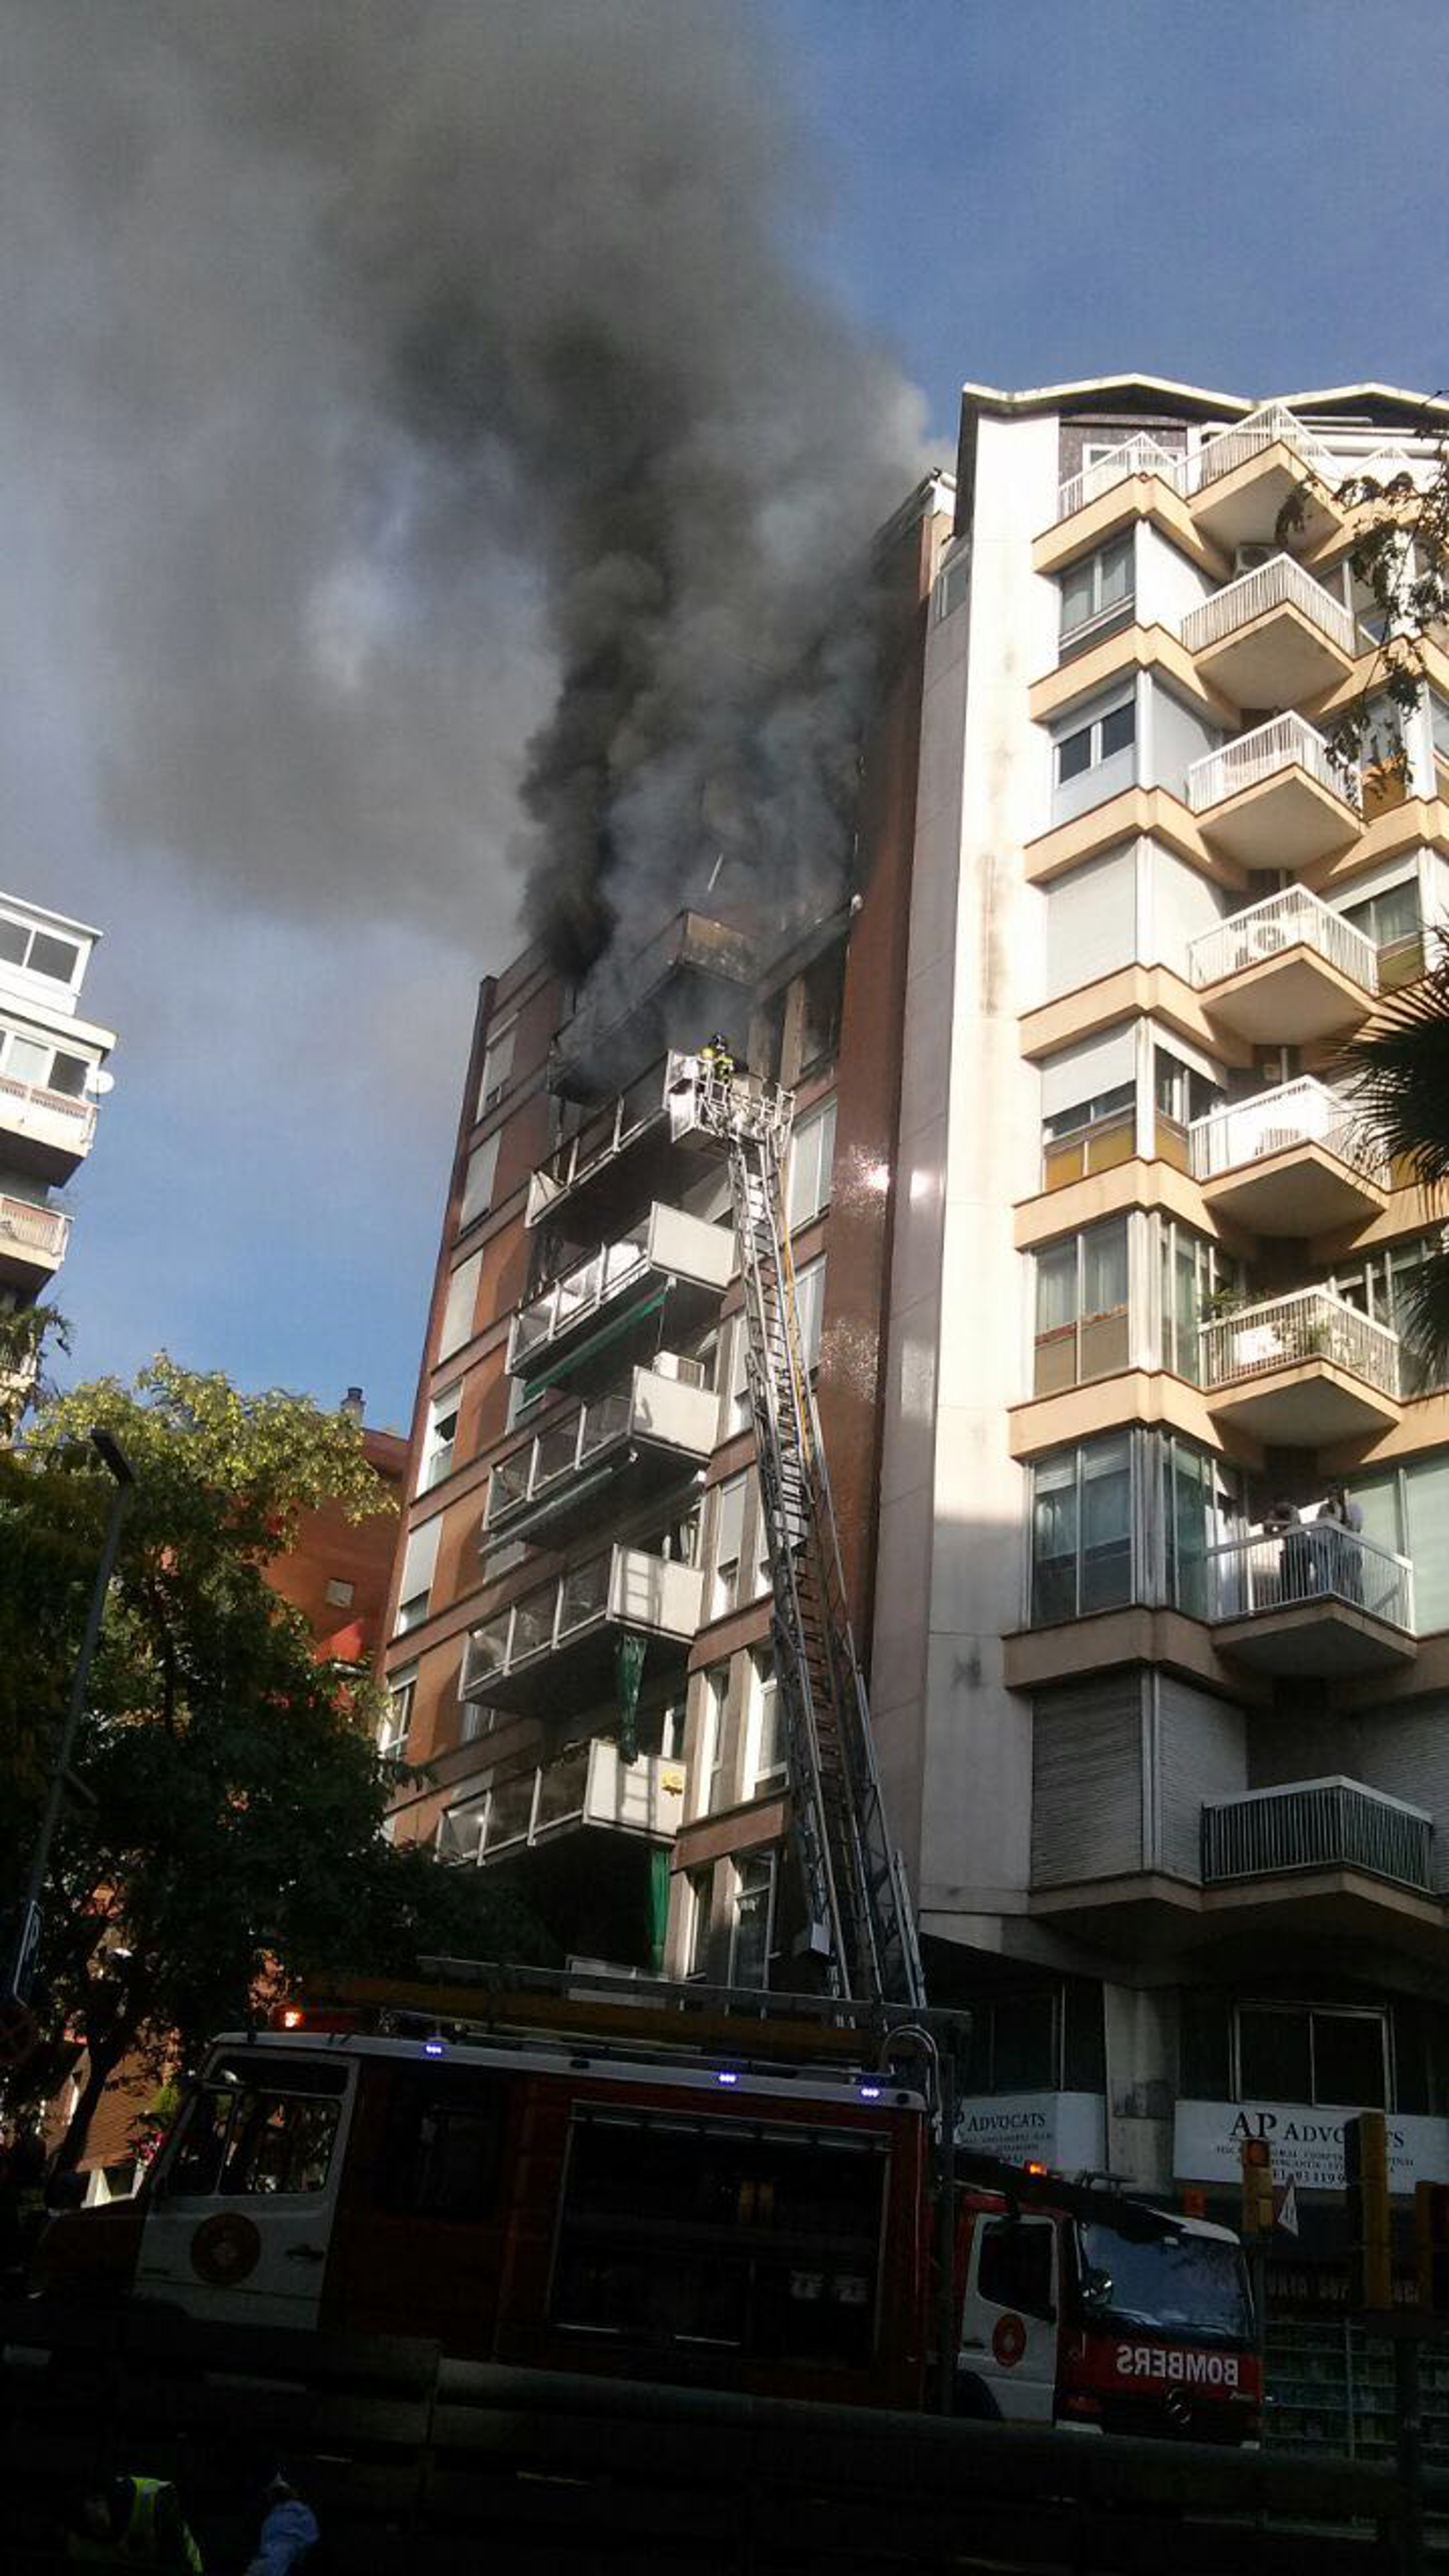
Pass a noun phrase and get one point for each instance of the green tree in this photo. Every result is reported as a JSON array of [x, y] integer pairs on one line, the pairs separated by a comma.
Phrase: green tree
[[1399, 1069], [225, 1832]]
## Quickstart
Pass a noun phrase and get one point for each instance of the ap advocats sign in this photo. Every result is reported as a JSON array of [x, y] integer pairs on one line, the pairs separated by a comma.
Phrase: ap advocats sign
[[1307, 2144]]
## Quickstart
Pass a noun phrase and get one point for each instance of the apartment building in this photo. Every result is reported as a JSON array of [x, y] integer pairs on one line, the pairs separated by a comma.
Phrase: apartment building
[[580, 1670], [1168, 1746], [51, 1077]]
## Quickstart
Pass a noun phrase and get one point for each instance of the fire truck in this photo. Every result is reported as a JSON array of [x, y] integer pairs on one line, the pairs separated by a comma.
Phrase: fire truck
[[757, 2192]]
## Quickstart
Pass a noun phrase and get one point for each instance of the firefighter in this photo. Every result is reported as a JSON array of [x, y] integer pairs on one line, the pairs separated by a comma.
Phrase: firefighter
[[131, 2522], [289, 2534], [717, 1057]]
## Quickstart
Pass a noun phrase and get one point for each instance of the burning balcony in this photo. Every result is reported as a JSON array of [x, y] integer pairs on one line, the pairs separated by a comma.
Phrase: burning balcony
[[44, 1131], [1273, 798], [1301, 1370], [1285, 972], [671, 1266], [697, 974], [1289, 1161], [1333, 1824], [1272, 637], [555, 1648], [604, 1456], [1314, 1598], [32, 1242]]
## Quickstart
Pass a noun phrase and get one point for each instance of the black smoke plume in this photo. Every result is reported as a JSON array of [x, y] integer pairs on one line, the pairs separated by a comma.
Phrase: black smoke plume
[[441, 450]]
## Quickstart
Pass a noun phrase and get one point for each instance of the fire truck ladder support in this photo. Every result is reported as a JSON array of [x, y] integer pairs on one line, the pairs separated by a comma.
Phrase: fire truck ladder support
[[861, 1925]]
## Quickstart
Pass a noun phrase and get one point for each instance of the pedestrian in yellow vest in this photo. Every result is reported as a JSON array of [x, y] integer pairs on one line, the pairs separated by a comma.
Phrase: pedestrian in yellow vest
[[131, 2522]]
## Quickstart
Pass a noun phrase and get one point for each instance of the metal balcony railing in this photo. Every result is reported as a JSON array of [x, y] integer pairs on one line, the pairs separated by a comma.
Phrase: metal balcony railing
[[621, 1585], [34, 1229], [588, 1786], [1283, 1332], [1313, 1560], [1284, 742], [1216, 457], [1293, 918], [1139, 455], [668, 1240], [19, 1101], [689, 940], [604, 1135], [1316, 1824], [1281, 582], [1302, 1112], [567, 1444]]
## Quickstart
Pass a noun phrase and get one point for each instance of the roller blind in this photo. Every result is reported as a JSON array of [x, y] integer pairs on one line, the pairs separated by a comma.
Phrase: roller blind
[[462, 1300], [1091, 920], [1082, 1072], [1086, 1819]]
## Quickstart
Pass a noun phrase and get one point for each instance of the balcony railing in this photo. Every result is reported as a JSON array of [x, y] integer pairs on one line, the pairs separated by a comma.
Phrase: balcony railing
[[621, 1586], [1216, 457], [1311, 1561], [22, 1103], [1316, 1824], [667, 1241], [1292, 919], [1279, 583], [1139, 455], [1283, 1332], [671, 1405], [690, 944], [1302, 1112], [604, 1135], [33, 1229], [1284, 742], [588, 1786]]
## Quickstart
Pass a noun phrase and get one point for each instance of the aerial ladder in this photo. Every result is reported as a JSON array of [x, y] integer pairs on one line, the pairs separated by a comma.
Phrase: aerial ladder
[[860, 1927]]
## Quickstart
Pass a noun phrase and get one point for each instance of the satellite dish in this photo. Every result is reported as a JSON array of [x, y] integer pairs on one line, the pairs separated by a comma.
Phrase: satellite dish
[[99, 1082]]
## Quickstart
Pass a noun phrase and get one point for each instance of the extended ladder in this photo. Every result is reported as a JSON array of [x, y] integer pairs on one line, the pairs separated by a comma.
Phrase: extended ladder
[[860, 1922]]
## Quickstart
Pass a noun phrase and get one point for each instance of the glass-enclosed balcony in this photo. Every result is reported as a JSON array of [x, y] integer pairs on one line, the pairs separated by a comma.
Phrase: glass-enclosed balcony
[[1313, 1598], [32, 1242], [554, 1648], [1293, 1160], [44, 1131], [1332, 1824], [1273, 798], [1301, 1370], [670, 1255], [1285, 972], [587, 1790], [1272, 637], [697, 974], [604, 1456]]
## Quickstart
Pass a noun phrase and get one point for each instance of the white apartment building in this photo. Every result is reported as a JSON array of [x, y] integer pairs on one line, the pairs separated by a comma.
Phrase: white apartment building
[[51, 1076], [1174, 1785]]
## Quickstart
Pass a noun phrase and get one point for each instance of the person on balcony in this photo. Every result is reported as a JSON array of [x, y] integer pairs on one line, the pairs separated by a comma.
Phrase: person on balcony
[[1340, 1560], [1295, 1558]]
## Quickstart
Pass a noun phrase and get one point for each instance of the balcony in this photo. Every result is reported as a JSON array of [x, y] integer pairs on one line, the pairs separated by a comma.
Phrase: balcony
[[697, 975], [1317, 1825], [1239, 482], [609, 1159], [1271, 637], [1314, 1599], [671, 1265], [32, 1242], [604, 1456], [554, 1649], [1273, 798], [1301, 1370], [1139, 455], [1289, 1161], [47, 1132], [587, 1790], [1286, 972]]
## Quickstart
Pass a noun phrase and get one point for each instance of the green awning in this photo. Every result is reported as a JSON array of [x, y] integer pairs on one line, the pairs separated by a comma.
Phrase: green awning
[[598, 1341]]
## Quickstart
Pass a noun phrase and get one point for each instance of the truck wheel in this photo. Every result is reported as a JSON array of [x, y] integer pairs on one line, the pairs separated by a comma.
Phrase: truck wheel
[[974, 2400]]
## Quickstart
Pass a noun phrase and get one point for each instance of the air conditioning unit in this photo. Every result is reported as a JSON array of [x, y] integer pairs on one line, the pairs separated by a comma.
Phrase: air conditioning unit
[[1266, 938], [1248, 558]]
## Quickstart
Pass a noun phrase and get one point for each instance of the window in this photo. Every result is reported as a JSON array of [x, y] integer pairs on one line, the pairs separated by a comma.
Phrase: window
[[340, 1592], [812, 1151], [1408, 1510], [48, 1068], [1181, 1094], [1336, 2055], [729, 1539], [420, 1558], [1097, 592], [737, 1413], [40, 951], [1381, 1285], [392, 1735], [1016, 2265], [1089, 1136], [1015, 2044], [1191, 1513], [822, 991], [478, 1184], [766, 1767], [1192, 1274], [710, 1766], [695, 1927], [1392, 921], [1081, 1308], [1088, 745], [460, 1307], [752, 1921], [1081, 1531], [461, 1829], [497, 1067], [810, 1306], [443, 2144], [267, 2128], [439, 1439]]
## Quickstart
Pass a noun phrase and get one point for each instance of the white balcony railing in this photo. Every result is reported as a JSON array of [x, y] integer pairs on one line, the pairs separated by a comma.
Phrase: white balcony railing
[[668, 1239], [1302, 1112], [588, 1786], [1139, 455], [1316, 1824], [623, 1586], [1284, 742], [1248, 438], [605, 1134], [668, 1403], [1281, 582], [25, 1104], [1312, 1560], [1293, 918], [35, 1229], [1284, 1332]]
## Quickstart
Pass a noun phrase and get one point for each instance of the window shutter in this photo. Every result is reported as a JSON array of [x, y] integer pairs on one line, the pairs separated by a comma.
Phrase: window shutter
[[1085, 1072], [1086, 1819], [462, 1300]]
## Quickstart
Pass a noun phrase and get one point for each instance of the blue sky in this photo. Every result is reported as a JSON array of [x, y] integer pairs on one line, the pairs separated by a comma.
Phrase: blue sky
[[1245, 196]]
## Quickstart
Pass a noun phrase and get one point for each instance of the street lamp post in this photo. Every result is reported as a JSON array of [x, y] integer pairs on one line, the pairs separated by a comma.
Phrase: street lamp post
[[20, 1974]]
